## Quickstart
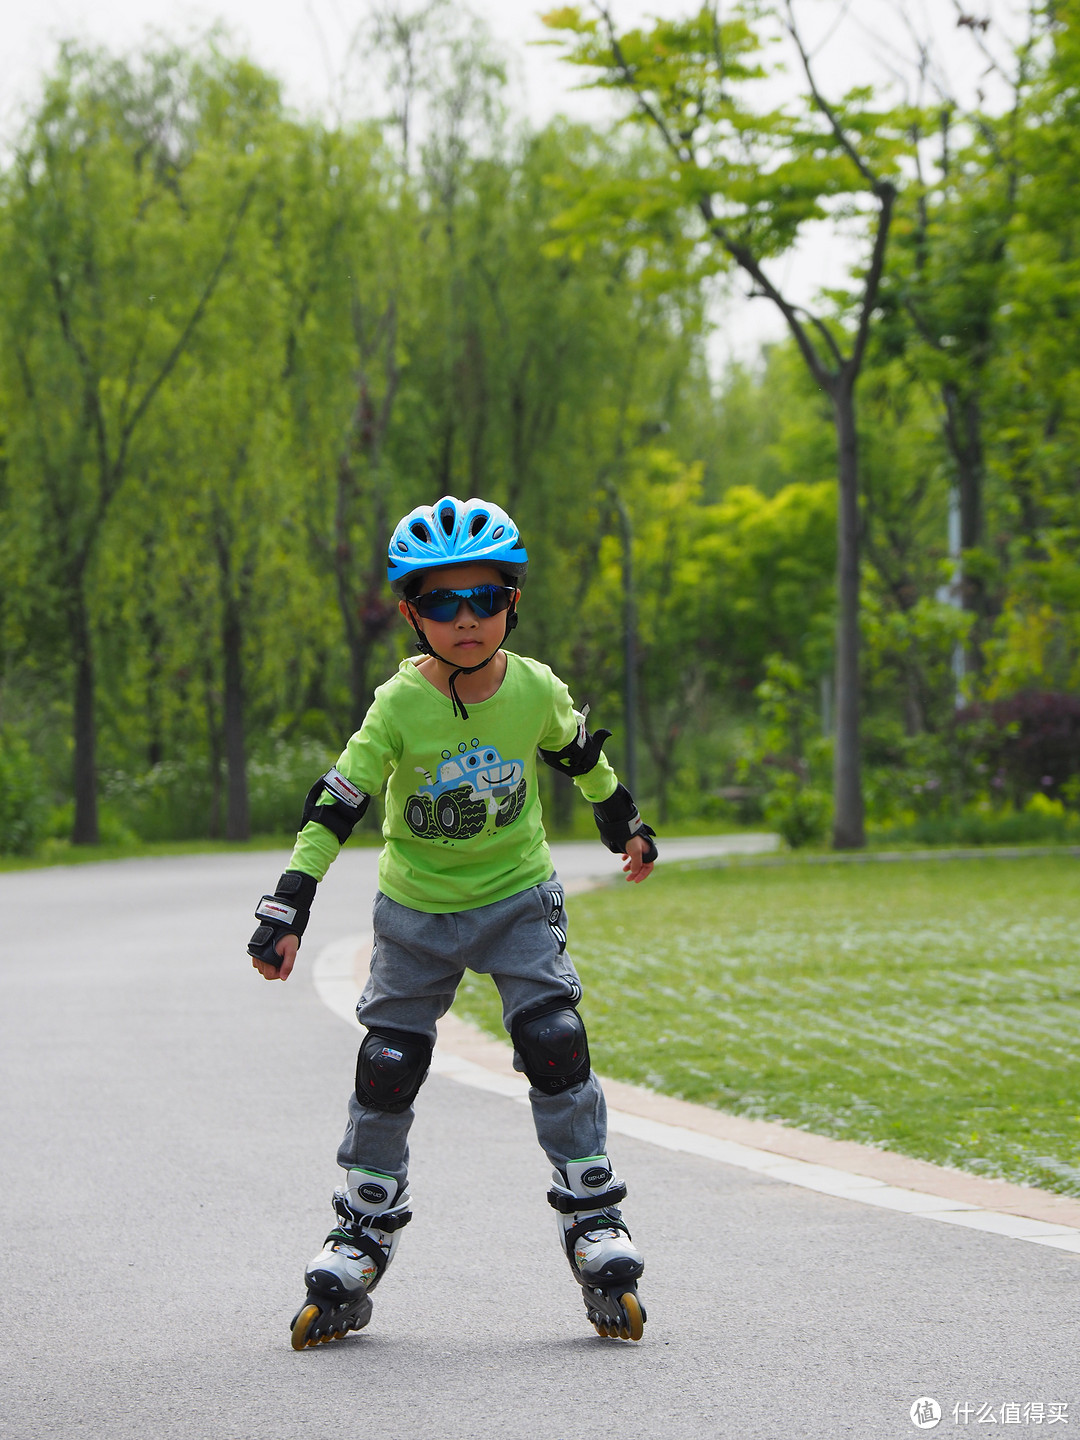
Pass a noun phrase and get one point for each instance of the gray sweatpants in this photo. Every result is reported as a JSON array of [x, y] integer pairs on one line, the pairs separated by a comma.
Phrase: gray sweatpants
[[416, 966]]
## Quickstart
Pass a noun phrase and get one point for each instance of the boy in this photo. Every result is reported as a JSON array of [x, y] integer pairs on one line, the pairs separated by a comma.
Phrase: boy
[[465, 879]]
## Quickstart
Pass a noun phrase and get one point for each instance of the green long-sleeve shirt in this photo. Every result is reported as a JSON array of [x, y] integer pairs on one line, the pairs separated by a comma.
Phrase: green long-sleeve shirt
[[464, 825]]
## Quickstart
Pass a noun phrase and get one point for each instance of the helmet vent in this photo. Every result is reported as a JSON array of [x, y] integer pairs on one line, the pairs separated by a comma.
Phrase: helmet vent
[[498, 534], [421, 532], [447, 517], [403, 547], [478, 523]]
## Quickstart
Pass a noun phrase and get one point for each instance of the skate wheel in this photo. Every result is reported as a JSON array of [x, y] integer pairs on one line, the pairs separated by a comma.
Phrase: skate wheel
[[302, 1325], [635, 1321]]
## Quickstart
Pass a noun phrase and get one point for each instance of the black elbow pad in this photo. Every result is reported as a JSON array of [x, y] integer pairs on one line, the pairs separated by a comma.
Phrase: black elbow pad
[[581, 754], [347, 808]]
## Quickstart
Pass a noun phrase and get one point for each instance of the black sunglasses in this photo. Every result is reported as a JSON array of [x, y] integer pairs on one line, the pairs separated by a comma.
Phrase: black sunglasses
[[443, 605]]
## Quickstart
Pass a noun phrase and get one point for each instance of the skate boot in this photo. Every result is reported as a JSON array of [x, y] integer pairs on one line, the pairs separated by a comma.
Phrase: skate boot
[[342, 1276], [597, 1244]]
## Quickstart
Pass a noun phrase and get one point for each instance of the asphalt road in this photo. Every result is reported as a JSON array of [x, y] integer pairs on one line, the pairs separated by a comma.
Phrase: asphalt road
[[168, 1124]]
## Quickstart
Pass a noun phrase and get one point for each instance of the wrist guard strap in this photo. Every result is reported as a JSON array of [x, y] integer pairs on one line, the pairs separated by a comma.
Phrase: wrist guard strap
[[286, 912], [618, 821], [582, 753], [348, 805]]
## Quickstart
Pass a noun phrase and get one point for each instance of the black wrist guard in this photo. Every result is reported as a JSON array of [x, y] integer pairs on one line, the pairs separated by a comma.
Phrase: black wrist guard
[[286, 912], [618, 821], [348, 805], [582, 753]]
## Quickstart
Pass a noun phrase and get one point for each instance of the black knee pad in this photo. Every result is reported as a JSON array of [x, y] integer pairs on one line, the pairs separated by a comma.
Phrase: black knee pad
[[553, 1046], [390, 1068]]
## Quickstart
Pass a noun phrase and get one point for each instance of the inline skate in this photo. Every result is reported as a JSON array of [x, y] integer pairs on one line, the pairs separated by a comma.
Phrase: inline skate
[[597, 1244], [353, 1259]]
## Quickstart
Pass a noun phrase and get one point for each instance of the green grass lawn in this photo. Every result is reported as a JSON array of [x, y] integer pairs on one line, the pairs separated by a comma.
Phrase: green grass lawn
[[930, 1007]]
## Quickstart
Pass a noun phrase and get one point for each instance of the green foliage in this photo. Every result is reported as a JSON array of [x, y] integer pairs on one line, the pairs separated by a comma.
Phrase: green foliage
[[773, 428], [236, 344], [22, 822], [800, 814], [761, 572], [768, 170], [115, 833], [789, 757], [986, 825]]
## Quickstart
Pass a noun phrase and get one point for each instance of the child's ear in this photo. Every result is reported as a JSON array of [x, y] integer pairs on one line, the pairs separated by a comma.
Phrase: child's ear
[[403, 606]]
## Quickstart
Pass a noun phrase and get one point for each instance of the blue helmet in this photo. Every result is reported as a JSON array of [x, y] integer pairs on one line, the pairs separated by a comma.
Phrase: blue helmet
[[454, 532]]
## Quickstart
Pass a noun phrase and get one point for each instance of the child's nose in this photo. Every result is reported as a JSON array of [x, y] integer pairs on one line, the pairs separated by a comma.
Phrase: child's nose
[[465, 613]]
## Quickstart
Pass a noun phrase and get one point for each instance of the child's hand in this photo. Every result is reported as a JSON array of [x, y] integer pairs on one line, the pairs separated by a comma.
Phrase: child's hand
[[635, 869], [286, 947]]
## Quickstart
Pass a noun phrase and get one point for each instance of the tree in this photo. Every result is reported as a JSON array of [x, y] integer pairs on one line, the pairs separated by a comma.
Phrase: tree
[[117, 227], [754, 177], [347, 239], [945, 288]]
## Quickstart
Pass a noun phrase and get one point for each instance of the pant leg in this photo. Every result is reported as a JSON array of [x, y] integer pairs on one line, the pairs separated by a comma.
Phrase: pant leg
[[414, 976], [521, 944]]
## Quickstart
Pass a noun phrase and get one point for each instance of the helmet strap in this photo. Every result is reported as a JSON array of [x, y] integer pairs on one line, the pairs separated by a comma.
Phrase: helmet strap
[[423, 644]]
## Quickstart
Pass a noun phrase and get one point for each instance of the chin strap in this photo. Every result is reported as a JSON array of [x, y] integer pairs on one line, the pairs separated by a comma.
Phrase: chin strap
[[424, 646]]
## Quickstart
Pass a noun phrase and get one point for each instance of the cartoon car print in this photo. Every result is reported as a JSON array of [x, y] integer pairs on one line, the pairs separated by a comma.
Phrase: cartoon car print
[[467, 788]]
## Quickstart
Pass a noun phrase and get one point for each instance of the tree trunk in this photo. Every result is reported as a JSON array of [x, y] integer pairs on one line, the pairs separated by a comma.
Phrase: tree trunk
[[629, 648], [563, 795], [963, 433], [85, 828], [237, 817], [848, 831], [215, 748], [155, 742]]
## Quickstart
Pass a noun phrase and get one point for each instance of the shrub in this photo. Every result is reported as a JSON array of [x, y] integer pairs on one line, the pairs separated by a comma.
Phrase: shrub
[[280, 774], [1040, 822], [174, 800], [1030, 743], [800, 814], [170, 801], [112, 830], [22, 815]]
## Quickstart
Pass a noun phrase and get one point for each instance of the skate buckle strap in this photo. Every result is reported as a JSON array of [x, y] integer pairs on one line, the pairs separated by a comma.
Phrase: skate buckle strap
[[593, 1222], [568, 1204], [271, 908], [366, 1244], [346, 807], [343, 789], [389, 1220], [356, 1231]]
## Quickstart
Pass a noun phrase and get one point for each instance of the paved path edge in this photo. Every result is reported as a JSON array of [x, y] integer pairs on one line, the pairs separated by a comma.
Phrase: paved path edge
[[839, 1167]]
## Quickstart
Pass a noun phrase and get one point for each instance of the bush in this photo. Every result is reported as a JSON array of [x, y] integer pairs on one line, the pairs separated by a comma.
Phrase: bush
[[1030, 743], [56, 833], [174, 800], [170, 801], [279, 776], [1041, 821], [800, 814], [22, 814]]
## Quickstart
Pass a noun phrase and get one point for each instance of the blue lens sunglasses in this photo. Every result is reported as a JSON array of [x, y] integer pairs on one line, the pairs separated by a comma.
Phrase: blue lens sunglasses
[[443, 605]]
